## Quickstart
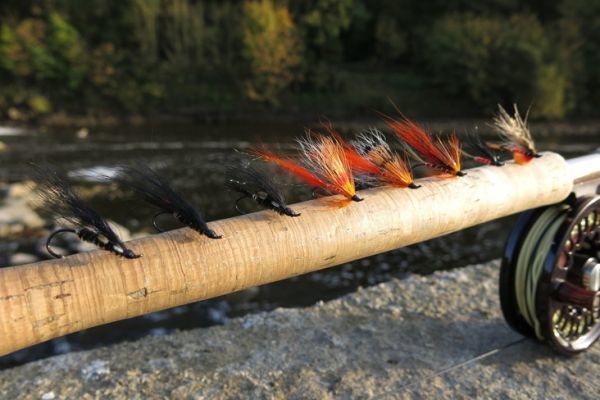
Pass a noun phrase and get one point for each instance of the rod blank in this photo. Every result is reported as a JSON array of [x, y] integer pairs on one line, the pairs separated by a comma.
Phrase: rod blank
[[48, 299]]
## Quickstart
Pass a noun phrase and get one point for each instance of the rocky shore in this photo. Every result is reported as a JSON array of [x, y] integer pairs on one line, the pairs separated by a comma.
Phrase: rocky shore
[[21, 227], [440, 336]]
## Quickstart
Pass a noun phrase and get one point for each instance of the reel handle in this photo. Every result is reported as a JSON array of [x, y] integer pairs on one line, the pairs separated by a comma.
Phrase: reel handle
[[567, 292]]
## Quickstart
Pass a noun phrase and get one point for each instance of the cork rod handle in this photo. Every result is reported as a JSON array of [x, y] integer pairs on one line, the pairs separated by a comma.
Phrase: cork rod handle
[[48, 299]]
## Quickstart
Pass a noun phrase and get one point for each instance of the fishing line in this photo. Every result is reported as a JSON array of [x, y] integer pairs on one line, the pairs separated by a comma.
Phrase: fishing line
[[456, 366], [531, 261]]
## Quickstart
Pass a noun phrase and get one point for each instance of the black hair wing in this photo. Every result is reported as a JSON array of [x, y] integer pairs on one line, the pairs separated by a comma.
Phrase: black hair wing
[[251, 181], [62, 201], [156, 191], [148, 184], [481, 148]]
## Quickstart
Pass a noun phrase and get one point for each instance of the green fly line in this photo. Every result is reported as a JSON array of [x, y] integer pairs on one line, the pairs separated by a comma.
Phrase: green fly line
[[531, 261]]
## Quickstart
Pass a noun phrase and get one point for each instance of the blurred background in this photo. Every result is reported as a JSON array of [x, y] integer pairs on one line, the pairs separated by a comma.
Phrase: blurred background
[[233, 58], [180, 84]]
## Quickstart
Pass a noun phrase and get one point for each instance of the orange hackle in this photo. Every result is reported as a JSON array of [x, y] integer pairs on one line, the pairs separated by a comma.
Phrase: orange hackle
[[395, 169], [358, 162], [515, 134], [435, 151], [294, 168], [521, 158], [327, 157]]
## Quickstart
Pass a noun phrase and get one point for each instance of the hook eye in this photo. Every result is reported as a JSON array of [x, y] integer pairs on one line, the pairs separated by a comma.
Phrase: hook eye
[[56, 232], [155, 224], [237, 205]]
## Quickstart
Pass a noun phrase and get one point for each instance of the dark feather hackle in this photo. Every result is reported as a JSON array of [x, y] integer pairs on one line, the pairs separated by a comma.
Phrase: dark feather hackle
[[61, 201], [257, 185], [483, 152], [155, 190]]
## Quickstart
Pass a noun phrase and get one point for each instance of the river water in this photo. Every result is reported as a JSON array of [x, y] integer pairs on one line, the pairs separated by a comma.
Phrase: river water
[[195, 158]]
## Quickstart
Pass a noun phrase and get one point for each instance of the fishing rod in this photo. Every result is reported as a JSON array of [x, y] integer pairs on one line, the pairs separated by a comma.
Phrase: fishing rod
[[550, 275]]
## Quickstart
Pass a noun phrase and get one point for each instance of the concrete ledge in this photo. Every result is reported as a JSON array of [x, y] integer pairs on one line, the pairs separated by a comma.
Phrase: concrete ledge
[[415, 338]]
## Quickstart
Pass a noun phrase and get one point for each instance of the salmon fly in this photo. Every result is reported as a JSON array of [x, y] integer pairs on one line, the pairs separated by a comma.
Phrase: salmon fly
[[515, 134], [89, 226], [358, 162], [258, 186], [434, 152], [395, 169], [326, 156], [291, 167], [154, 189], [299, 171], [482, 152]]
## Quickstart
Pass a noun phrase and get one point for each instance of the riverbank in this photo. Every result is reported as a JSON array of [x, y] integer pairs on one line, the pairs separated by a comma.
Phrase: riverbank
[[84, 125], [438, 336]]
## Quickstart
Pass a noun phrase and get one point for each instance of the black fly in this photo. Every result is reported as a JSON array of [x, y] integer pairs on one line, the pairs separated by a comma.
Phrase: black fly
[[88, 224], [156, 191], [255, 184], [484, 153]]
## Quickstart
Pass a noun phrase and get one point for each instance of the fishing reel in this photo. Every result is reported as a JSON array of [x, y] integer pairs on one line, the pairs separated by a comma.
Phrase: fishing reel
[[550, 274]]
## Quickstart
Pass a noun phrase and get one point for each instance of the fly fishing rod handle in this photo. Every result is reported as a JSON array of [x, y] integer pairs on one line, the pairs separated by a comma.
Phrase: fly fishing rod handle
[[45, 300]]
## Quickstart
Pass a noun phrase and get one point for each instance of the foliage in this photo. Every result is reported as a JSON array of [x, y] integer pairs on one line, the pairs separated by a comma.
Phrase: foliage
[[390, 40], [321, 24], [220, 55], [42, 52], [580, 36], [490, 59], [270, 49]]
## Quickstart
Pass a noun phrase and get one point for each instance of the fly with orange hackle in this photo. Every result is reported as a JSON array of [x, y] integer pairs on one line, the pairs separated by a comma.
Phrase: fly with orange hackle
[[395, 168], [515, 134], [291, 167], [326, 156], [435, 152], [300, 172], [358, 162]]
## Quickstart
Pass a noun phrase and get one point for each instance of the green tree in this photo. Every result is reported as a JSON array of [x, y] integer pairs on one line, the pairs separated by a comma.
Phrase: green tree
[[495, 59], [45, 57], [321, 25], [391, 41], [580, 39], [271, 49]]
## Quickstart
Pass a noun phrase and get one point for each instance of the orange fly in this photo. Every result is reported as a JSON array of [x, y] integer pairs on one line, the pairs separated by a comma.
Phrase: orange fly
[[326, 156], [294, 168], [395, 169], [358, 162], [515, 134], [435, 152]]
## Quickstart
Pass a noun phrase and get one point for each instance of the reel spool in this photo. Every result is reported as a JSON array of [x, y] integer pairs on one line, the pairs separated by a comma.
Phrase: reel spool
[[550, 275]]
